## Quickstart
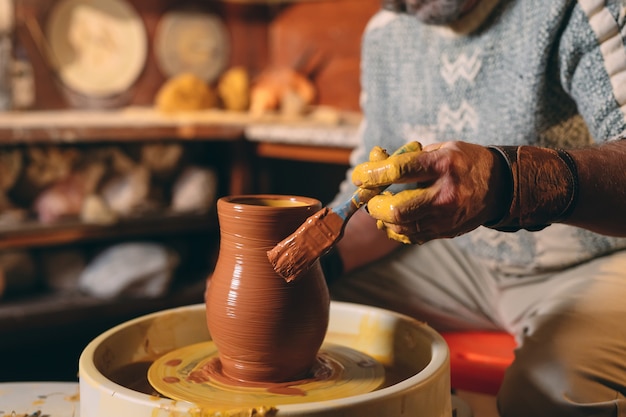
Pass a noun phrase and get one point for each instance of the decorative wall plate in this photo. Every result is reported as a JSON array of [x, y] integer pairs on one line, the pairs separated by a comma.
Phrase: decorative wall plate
[[192, 41], [98, 47]]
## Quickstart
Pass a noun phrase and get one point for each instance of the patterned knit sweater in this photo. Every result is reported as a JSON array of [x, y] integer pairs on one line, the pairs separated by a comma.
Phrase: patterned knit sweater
[[525, 72]]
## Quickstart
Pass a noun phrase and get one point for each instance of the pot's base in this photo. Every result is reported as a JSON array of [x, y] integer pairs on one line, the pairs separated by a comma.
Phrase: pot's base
[[193, 373]]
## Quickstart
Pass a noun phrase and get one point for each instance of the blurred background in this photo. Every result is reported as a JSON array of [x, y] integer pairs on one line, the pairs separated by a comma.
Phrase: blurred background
[[121, 124]]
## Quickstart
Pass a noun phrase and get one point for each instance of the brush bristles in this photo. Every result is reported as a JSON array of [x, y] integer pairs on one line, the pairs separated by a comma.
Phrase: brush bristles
[[295, 254]]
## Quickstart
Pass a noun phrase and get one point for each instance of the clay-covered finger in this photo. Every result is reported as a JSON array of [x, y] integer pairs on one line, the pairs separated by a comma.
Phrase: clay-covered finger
[[378, 154], [382, 172], [397, 208], [407, 238]]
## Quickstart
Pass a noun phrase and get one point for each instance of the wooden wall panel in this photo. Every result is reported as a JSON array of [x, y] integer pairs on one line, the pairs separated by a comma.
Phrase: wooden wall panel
[[325, 34], [329, 32]]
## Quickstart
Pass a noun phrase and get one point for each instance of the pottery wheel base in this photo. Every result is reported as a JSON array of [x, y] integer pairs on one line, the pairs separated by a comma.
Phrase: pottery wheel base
[[193, 373]]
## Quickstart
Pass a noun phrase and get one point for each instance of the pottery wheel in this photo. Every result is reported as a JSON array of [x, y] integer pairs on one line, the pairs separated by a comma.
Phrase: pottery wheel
[[193, 374]]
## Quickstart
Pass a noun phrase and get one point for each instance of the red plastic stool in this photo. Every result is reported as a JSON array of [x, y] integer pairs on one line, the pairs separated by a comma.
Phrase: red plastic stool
[[478, 359]]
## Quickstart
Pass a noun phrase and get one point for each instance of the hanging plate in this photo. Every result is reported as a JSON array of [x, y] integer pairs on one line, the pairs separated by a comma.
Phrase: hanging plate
[[192, 41], [98, 47]]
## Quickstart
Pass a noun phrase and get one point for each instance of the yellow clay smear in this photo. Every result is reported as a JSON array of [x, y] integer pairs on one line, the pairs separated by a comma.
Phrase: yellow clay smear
[[192, 373], [382, 206], [393, 235], [380, 172]]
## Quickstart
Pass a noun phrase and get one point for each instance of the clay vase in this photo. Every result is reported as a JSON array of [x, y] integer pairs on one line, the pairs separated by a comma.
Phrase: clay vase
[[265, 329]]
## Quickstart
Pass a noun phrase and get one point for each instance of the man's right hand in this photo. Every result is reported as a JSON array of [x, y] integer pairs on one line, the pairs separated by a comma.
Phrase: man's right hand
[[456, 191]]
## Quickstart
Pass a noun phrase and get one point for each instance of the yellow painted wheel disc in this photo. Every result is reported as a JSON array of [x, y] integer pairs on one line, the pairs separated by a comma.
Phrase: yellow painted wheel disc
[[192, 374]]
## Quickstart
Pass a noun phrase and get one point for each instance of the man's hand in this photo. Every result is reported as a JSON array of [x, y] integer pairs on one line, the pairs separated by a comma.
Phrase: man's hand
[[456, 191]]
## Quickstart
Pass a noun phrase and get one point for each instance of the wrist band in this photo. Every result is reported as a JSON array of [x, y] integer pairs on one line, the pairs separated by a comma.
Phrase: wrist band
[[543, 187]]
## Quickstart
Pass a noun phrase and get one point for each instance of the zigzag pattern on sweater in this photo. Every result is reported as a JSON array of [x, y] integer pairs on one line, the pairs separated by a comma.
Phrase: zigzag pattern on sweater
[[463, 67], [463, 118]]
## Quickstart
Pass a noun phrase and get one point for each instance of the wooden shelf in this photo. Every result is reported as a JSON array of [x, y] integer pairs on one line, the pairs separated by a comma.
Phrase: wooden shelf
[[148, 124], [128, 124], [34, 234], [50, 316], [308, 153], [117, 134]]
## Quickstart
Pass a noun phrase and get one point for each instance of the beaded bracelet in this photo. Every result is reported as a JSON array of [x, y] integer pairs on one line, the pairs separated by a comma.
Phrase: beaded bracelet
[[543, 187]]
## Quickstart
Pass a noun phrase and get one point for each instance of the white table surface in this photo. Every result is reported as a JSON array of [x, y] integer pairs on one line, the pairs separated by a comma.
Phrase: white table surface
[[33, 399], [61, 399]]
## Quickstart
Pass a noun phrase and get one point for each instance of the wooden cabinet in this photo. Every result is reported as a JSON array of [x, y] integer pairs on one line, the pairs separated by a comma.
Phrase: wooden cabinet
[[71, 317], [249, 159], [42, 335], [220, 146]]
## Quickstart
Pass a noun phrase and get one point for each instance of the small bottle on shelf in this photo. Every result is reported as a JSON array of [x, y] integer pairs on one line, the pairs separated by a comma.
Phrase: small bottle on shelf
[[6, 43]]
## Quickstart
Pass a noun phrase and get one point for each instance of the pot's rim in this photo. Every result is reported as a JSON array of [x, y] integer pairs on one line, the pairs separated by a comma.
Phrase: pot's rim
[[271, 200]]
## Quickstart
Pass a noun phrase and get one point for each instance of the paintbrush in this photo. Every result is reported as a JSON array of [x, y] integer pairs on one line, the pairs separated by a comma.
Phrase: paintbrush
[[319, 233]]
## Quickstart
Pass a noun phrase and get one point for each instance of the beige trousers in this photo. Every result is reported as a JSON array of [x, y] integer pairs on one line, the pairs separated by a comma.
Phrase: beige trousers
[[570, 325]]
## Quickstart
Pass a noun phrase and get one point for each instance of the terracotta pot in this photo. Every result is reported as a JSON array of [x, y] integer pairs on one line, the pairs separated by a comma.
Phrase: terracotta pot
[[265, 329]]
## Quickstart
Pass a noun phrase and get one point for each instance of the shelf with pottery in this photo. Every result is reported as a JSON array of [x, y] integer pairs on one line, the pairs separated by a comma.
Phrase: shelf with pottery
[[158, 178], [325, 137], [322, 127], [77, 195], [33, 234]]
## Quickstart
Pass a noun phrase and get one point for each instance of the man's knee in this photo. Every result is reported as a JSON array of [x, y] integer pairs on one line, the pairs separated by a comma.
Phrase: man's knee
[[542, 386]]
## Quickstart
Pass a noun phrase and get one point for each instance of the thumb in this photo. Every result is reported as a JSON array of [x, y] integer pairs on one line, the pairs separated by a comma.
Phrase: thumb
[[397, 208]]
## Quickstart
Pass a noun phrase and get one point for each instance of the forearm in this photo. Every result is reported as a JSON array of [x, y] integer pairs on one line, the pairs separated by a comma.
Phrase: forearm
[[601, 205]]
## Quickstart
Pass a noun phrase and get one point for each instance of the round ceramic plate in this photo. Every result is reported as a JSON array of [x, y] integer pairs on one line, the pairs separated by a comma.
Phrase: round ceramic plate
[[193, 373], [98, 47], [192, 41], [25, 399]]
